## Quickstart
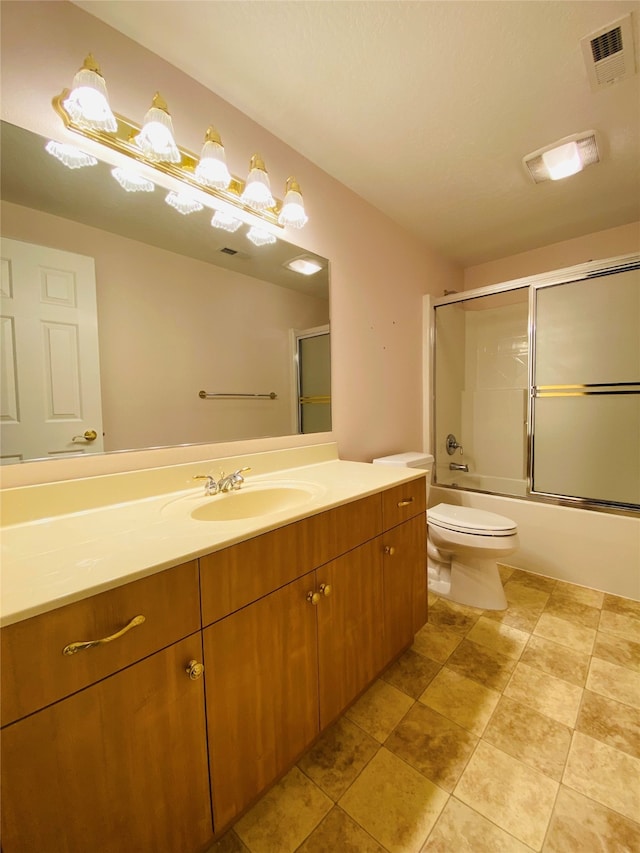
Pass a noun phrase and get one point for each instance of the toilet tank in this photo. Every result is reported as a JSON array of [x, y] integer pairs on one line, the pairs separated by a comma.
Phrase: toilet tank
[[411, 459]]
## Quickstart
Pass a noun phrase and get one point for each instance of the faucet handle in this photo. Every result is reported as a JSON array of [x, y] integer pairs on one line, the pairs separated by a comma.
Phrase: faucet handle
[[211, 487], [237, 479]]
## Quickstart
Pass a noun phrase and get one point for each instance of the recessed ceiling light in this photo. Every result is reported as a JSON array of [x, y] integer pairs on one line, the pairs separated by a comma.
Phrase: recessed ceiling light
[[563, 158], [305, 266]]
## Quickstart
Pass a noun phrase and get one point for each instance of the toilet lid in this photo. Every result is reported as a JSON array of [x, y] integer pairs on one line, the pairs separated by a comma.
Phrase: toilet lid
[[466, 518]]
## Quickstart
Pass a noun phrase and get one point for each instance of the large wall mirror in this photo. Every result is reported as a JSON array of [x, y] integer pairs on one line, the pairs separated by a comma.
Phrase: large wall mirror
[[122, 317]]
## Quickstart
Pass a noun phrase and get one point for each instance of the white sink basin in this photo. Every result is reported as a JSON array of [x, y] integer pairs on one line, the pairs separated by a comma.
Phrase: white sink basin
[[251, 503]]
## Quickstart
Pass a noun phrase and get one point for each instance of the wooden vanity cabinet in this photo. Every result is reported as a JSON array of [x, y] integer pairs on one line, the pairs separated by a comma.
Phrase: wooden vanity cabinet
[[120, 764]]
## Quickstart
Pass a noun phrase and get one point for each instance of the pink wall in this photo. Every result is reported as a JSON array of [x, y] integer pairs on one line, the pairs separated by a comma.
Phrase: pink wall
[[592, 247], [378, 271]]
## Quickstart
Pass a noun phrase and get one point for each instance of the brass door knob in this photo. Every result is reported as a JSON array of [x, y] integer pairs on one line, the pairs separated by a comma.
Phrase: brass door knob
[[325, 589], [313, 598], [194, 670], [87, 435], [390, 550]]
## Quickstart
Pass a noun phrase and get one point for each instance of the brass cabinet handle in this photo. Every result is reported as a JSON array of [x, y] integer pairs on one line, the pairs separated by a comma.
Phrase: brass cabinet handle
[[325, 589], [194, 670], [405, 502], [390, 550], [313, 597], [74, 648]]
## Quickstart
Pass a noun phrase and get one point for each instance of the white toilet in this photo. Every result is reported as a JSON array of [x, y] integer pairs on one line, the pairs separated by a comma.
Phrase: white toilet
[[463, 546]]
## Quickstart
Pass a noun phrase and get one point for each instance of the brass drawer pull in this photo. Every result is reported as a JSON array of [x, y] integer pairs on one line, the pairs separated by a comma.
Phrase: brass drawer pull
[[194, 670], [74, 648], [405, 502]]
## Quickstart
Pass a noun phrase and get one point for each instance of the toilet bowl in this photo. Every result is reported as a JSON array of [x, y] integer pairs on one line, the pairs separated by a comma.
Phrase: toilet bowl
[[463, 546], [463, 549]]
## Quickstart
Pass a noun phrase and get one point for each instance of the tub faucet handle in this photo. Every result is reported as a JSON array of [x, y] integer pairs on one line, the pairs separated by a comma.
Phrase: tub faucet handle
[[452, 445]]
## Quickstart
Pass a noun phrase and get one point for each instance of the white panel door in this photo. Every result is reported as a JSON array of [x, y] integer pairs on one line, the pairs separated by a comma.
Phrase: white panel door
[[50, 402]]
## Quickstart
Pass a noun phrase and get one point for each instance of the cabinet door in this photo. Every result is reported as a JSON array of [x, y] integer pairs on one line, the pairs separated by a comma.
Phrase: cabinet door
[[405, 573], [350, 651], [262, 694], [121, 765]]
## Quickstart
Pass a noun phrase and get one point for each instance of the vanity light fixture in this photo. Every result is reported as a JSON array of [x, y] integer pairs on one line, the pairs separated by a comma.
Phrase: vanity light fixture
[[211, 184], [183, 202], [131, 181], [564, 158], [212, 168], [260, 237], [224, 220], [292, 212], [87, 102], [257, 191], [71, 156], [155, 139]]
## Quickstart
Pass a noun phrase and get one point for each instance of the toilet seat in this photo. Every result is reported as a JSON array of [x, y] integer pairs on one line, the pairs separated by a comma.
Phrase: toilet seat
[[462, 519]]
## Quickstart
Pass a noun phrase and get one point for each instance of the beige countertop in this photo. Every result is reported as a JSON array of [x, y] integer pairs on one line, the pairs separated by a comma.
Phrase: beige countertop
[[49, 561]]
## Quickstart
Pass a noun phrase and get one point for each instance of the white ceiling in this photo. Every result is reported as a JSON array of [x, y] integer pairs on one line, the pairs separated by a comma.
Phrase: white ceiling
[[425, 109]]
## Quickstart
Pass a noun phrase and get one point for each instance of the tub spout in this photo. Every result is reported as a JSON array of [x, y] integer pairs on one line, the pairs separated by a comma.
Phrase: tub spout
[[455, 466]]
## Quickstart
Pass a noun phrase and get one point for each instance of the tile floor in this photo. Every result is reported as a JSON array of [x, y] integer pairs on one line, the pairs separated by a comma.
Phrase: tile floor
[[497, 731]]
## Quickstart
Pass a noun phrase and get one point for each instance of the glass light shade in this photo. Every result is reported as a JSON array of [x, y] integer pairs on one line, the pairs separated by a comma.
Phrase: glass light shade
[[563, 161], [183, 203], [225, 221], [292, 212], [87, 103], [212, 168], [260, 237], [305, 266], [155, 139], [132, 182], [71, 156], [257, 191]]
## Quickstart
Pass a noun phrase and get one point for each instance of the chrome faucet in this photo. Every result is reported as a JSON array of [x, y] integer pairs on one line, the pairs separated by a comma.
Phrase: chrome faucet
[[452, 445], [226, 483], [455, 466]]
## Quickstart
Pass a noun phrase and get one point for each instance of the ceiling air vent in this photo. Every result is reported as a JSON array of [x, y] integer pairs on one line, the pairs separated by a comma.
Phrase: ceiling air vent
[[608, 54]]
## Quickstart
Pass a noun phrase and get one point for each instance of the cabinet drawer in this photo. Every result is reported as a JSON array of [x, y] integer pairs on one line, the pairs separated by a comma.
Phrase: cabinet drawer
[[236, 576], [35, 672], [403, 502]]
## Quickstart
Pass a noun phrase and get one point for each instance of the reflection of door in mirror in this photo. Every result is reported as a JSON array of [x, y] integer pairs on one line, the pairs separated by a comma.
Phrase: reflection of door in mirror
[[51, 402], [314, 380]]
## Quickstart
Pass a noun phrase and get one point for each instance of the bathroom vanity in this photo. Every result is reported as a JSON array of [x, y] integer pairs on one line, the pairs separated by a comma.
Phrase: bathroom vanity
[[246, 651]]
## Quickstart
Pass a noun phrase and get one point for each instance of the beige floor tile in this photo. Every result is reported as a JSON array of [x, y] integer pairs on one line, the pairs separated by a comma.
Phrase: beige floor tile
[[573, 611], [461, 699], [453, 617], [529, 736], [617, 650], [616, 682], [533, 580], [545, 693], [285, 816], [380, 710], [412, 673], [435, 643], [624, 606], [583, 594], [505, 572], [561, 661], [621, 625], [528, 596], [483, 664], [337, 758], [496, 635], [566, 633], [512, 795], [579, 824], [338, 832], [229, 843], [604, 774], [517, 616], [611, 722], [434, 745], [463, 830], [394, 803]]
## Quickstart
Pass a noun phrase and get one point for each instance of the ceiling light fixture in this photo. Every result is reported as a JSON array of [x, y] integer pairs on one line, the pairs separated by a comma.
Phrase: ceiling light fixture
[[212, 168], [257, 191], [564, 158], [131, 181], [260, 237], [119, 141], [183, 202], [72, 157], [87, 102], [304, 266]]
